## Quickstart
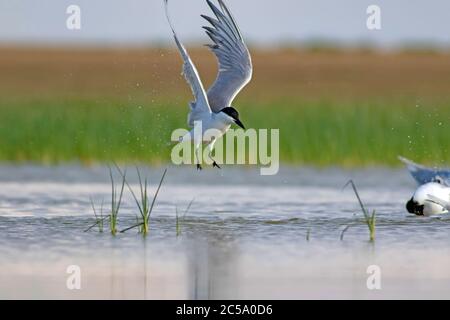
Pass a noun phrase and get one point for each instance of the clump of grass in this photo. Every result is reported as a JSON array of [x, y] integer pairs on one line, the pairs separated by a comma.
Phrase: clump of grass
[[370, 219], [180, 219], [143, 203], [116, 201]]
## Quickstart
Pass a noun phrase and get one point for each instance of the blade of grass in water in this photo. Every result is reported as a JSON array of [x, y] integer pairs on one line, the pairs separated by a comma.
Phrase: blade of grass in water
[[96, 223], [116, 201], [144, 209], [99, 221], [369, 219], [188, 208], [142, 204], [179, 220], [178, 223], [343, 232]]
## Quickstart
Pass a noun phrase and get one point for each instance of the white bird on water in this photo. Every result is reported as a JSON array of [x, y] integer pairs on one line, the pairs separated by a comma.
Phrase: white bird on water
[[212, 109], [433, 194], [430, 199]]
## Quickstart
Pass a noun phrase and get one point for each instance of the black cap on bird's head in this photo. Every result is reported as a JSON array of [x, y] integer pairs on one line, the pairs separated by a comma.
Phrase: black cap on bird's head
[[234, 114], [414, 207]]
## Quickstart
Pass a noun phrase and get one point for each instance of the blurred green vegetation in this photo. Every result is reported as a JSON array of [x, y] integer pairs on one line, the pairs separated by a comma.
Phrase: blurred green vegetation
[[332, 106], [312, 132]]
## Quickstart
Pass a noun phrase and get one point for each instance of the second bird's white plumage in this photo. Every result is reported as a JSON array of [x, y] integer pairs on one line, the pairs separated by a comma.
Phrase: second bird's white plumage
[[434, 197]]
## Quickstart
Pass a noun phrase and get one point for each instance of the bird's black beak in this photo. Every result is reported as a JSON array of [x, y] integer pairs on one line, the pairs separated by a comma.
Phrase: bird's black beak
[[239, 123]]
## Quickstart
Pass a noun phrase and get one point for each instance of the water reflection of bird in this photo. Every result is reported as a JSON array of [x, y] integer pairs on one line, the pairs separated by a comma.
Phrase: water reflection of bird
[[433, 194], [212, 109]]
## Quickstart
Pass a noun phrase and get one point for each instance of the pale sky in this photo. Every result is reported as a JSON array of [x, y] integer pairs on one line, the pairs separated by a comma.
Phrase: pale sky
[[263, 22]]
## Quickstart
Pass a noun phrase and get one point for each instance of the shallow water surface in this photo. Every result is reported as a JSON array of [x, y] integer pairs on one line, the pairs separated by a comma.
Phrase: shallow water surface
[[245, 236]]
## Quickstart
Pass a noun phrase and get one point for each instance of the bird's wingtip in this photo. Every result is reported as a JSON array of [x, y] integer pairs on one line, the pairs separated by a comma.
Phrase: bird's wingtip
[[406, 161], [411, 165]]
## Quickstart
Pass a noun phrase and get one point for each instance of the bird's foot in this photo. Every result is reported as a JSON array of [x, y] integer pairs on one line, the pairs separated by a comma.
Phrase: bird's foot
[[215, 165], [199, 167]]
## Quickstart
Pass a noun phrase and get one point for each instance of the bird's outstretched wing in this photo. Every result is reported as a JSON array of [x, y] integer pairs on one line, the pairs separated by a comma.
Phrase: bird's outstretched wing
[[201, 105], [424, 174], [235, 64]]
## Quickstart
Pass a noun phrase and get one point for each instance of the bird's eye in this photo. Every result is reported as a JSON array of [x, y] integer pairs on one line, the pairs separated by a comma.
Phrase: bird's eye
[[438, 179]]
